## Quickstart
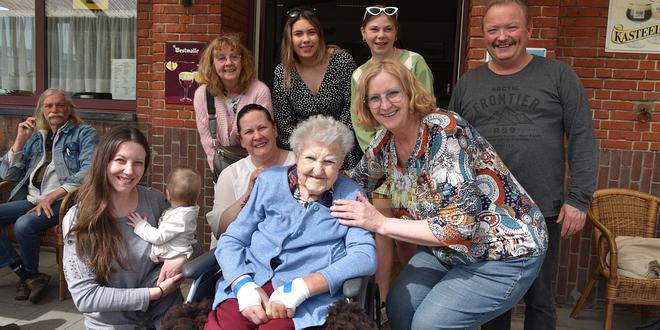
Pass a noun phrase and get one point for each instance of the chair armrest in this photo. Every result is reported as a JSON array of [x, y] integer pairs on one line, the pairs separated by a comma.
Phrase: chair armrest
[[351, 288], [6, 184], [200, 265]]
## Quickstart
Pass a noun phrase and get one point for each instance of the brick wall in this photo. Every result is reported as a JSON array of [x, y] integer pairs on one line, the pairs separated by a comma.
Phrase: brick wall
[[574, 31]]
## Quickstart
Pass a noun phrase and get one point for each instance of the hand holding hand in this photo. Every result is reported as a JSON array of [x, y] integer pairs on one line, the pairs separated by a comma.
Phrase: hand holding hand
[[171, 268], [135, 218], [358, 213], [571, 219], [286, 298], [171, 284]]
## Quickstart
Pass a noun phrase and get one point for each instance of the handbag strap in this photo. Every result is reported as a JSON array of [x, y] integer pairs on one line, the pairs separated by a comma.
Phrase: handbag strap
[[210, 106]]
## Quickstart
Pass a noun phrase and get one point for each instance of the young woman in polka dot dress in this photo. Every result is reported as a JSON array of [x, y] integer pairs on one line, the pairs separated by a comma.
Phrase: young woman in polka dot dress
[[313, 78]]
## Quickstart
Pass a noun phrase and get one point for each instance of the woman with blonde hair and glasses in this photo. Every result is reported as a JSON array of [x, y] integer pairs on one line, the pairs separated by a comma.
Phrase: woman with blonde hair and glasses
[[380, 29], [313, 78], [228, 74], [481, 237]]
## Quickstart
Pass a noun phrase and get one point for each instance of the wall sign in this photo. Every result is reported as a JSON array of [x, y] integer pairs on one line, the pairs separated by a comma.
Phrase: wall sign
[[633, 26], [181, 76]]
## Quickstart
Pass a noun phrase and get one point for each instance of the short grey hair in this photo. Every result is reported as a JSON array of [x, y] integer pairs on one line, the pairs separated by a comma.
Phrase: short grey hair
[[324, 130]]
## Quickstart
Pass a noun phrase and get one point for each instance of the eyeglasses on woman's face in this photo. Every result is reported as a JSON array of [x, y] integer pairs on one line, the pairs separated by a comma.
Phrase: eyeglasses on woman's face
[[392, 96], [375, 11], [222, 59], [295, 12]]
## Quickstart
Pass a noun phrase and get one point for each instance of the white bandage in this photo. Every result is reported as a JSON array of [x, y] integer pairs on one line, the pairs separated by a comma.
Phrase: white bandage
[[246, 294], [291, 294]]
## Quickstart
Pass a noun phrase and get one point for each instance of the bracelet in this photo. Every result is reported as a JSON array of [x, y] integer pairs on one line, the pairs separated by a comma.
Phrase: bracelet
[[161, 292]]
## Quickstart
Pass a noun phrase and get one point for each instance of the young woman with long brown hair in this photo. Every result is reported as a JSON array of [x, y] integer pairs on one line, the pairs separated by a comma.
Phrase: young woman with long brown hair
[[111, 278]]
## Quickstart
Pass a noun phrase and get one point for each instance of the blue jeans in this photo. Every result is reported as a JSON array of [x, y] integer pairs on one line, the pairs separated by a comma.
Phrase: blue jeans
[[540, 309], [430, 294], [26, 229]]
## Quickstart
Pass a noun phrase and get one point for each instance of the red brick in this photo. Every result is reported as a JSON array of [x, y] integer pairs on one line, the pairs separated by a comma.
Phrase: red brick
[[617, 105], [651, 137], [620, 84], [627, 135], [641, 146], [604, 73], [622, 64], [601, 114], [631, 96], [645, 86], [628, 74]]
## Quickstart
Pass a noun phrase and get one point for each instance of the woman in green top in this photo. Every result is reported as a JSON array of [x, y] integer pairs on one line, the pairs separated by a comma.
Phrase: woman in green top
[[380, 29]]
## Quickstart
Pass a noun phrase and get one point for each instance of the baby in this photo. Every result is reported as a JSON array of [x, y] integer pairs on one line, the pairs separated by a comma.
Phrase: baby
[[175, 234]]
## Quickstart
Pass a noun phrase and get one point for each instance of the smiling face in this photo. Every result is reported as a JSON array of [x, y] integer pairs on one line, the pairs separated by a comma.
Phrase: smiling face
[[227, 64], [318, 168], [304, 39], [258, 135], [380, 34], [393, 112], [126, 167], [56, 111], [506, 34]]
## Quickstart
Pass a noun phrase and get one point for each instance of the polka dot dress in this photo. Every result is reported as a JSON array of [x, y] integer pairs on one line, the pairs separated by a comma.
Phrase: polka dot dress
[[333, 99]]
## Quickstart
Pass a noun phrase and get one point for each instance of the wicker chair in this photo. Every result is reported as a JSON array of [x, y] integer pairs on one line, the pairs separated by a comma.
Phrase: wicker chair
[[620, 212], [51, 237]]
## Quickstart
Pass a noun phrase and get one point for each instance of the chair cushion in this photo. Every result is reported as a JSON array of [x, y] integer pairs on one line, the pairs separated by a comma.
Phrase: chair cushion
[[635, 255]]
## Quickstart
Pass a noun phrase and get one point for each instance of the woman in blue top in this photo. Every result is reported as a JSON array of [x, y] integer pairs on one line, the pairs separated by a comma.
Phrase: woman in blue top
[[285, 258], [481, 237]]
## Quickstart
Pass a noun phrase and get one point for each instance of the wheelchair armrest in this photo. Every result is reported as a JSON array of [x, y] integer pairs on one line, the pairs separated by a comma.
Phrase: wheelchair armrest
[[352, 287], [200, 265]]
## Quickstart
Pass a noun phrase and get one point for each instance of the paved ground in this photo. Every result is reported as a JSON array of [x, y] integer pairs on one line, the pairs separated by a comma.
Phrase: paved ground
[[53, 314]]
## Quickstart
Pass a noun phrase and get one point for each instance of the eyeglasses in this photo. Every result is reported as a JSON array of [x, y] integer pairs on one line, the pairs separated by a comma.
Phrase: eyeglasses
[[233, 58], [375, 11], [58, 106], [295, 12], [392, 96]]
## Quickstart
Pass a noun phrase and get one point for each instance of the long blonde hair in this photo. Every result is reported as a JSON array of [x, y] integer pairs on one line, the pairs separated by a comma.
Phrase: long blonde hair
[[421, 101], [99, 241], [207, 70], [288, 56], [42, 123]]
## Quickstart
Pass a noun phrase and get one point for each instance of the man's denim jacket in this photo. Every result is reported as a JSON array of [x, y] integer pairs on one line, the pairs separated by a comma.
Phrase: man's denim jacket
[[73, 148]]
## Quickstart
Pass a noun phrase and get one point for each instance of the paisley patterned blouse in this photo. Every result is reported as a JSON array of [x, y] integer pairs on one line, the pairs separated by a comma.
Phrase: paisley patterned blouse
[[456, 182]]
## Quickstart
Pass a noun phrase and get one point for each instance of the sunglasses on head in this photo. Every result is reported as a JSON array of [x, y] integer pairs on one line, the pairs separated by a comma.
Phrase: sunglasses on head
[[295, 12], [374, 11]]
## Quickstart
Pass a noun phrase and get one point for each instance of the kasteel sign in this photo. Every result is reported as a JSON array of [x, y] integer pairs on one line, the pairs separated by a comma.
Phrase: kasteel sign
[[181, 75], [633, 26]]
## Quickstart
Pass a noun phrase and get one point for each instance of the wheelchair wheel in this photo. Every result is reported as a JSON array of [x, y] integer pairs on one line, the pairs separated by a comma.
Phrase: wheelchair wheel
[[372, 302]]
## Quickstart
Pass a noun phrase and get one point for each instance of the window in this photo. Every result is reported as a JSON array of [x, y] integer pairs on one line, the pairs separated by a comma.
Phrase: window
[[87, 48]]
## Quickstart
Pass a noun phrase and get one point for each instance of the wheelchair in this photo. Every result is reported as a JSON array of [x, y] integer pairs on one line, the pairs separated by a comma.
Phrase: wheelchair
[[205, 272]]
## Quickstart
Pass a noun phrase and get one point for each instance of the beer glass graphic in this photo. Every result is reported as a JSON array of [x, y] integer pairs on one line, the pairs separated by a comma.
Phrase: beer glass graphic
[[186, 80]]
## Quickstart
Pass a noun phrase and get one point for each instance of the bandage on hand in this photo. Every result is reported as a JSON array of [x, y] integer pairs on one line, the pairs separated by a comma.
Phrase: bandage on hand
[[291, 294], [246, 294]]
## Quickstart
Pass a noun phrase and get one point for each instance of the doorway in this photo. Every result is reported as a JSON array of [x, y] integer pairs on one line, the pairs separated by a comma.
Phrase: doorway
[[430, 28]]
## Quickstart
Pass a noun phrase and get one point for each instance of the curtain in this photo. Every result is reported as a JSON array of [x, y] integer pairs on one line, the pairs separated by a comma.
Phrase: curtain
[[17, 53], [80, 50]]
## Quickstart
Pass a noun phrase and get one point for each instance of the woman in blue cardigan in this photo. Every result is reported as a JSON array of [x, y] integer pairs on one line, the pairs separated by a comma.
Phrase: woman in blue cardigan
[[285, 258]]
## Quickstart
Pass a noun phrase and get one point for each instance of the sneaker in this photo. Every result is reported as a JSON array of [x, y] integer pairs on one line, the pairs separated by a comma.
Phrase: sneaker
[[37, 286], [22, 290]]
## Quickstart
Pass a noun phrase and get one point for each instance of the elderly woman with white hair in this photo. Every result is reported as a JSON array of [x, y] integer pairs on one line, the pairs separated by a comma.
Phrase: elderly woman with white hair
[[285, 258]]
